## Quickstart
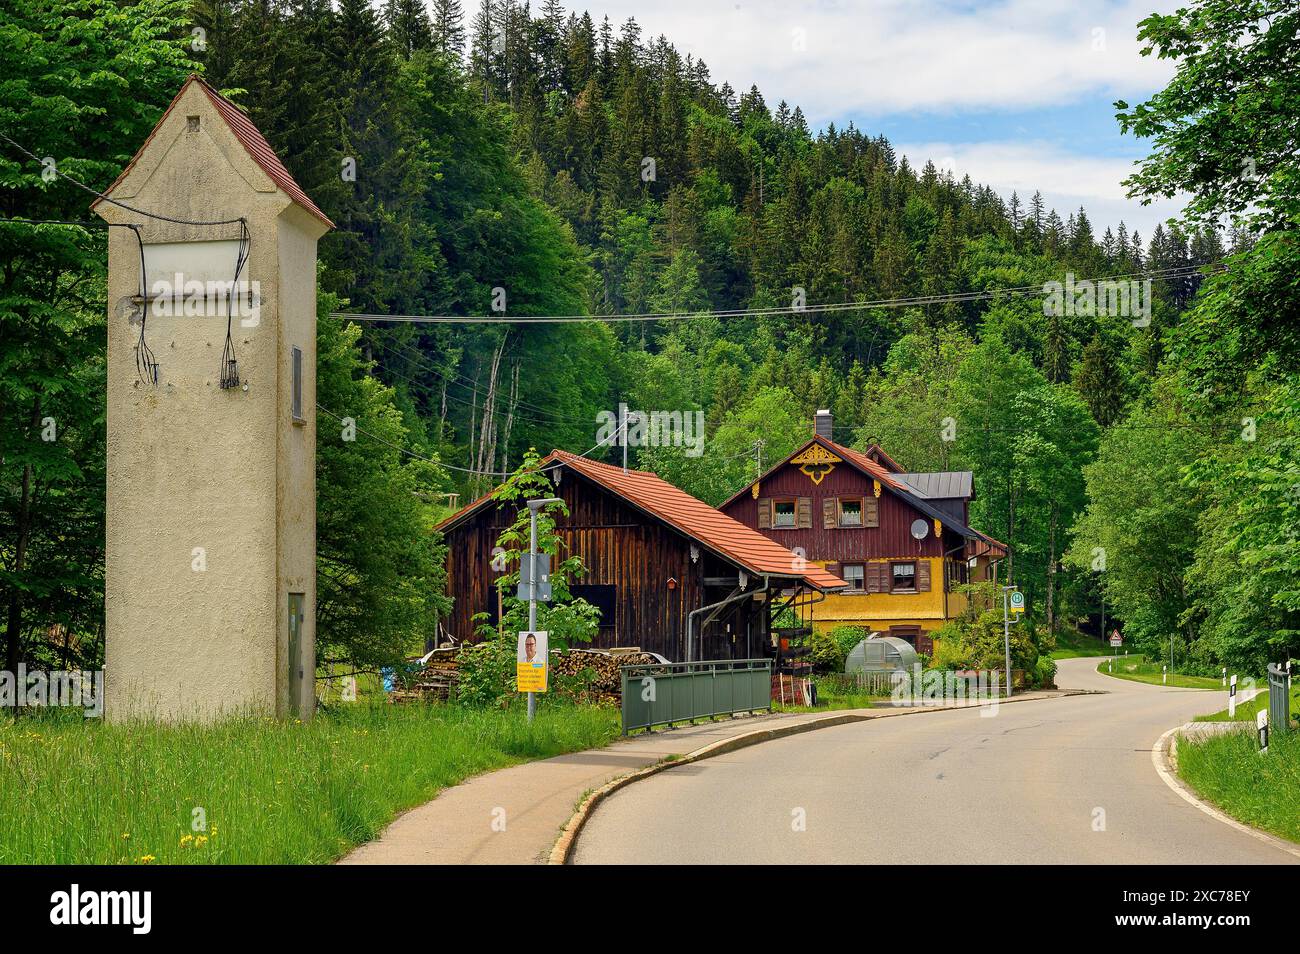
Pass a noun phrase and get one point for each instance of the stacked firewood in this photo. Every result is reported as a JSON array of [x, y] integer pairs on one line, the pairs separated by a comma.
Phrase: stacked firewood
[[603, 684], [437, 680], [605, 681]]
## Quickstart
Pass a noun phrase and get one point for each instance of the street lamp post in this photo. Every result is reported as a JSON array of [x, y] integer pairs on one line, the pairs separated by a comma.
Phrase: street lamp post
[[533, 507]]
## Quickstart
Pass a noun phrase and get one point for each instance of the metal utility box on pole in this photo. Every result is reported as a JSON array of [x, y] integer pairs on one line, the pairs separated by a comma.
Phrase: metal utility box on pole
[[210, 549]]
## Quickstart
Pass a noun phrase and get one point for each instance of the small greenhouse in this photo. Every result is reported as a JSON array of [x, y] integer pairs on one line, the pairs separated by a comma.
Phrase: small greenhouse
[[881, 654]]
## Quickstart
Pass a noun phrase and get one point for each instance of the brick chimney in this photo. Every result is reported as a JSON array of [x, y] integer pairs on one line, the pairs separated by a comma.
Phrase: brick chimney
[[822, 422]]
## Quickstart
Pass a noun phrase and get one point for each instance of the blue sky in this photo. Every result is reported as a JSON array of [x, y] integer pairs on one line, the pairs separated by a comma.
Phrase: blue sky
[[1017, 94]]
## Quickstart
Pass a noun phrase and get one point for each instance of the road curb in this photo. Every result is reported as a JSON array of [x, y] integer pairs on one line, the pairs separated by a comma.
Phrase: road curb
[[562, 851], [1164, 756]]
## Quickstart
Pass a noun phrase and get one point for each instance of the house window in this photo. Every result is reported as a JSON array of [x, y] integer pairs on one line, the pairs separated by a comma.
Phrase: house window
[[851, 512], [904, 580], [297, 384], [783, 513], [851, 573]]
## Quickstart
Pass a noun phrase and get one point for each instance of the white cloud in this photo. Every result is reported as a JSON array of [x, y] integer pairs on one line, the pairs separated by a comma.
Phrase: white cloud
[[872, 57], [1066, 179]]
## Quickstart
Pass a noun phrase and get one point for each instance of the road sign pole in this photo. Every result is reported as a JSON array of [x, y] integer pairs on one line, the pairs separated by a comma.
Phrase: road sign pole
[[1006, 638]]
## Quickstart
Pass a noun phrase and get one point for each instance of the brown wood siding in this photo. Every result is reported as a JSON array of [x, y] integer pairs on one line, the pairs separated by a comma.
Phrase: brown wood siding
[[621, 547], [892, 538]]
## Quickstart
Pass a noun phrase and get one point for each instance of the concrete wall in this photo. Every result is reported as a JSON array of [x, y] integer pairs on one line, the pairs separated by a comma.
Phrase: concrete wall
[[193, 466]]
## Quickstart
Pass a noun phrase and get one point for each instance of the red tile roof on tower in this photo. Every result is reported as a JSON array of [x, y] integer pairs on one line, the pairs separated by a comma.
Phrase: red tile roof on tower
[[691, 516], [249, 137]]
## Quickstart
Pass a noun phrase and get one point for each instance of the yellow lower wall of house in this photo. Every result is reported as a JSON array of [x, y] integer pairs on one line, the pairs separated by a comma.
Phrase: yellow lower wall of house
[[879, 611]]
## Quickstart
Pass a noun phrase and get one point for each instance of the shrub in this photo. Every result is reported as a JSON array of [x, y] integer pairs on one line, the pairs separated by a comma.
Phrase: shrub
[[846, 637], [487, 672], [1045, 672]]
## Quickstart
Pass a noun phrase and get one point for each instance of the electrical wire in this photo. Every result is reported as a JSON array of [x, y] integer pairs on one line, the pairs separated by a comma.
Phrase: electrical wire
[[146, 365], [829, 308], [121, 205], [229, 366]]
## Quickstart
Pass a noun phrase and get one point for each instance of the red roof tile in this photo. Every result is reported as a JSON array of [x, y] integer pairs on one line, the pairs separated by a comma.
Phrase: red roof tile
[[249, 137], [691, 516]]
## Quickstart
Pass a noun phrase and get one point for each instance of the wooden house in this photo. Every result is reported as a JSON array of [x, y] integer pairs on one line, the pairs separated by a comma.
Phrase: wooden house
[[901, 541], [669, 573]]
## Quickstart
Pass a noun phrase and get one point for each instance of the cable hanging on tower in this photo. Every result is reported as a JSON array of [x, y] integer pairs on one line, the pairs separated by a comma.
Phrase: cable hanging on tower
[[229, 366]]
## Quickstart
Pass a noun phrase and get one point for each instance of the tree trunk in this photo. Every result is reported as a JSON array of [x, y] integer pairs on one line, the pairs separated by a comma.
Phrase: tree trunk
[[510, 418]]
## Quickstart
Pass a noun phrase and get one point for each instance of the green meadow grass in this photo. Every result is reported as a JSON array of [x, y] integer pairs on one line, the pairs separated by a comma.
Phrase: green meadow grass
[[1071, 644], [75, 791], [1137, 669], [1246, 710], [1260, 789]]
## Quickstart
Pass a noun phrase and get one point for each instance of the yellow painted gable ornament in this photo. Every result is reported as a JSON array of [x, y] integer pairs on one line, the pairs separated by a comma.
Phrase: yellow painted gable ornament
[[816, 462]]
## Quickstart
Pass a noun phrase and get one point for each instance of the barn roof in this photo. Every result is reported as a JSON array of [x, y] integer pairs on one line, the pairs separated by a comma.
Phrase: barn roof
[[249, 137], [689, 515]]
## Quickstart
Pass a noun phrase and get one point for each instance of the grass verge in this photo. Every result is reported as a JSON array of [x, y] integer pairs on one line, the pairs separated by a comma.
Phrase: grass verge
[[1259, 789], [74, 791], [1072, 644], [1246, 710], [1138, 669]]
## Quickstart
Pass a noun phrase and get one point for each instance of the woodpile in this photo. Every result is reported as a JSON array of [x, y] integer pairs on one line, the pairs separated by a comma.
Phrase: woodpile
[[602, 681], [437, 680], [601, 667]]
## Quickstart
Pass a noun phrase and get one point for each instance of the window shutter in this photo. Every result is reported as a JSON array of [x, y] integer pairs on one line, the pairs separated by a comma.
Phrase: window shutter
[[829, 515], [870, 512], [764, 513], [833, 569], [871, 576], [803, 512], [923, 576]]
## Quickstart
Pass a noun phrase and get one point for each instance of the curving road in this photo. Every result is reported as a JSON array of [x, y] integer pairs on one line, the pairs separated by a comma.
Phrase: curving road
[[1033, 783]]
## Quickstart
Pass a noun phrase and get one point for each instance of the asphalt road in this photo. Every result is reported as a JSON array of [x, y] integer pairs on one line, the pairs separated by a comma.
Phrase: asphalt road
[[1066, 780]]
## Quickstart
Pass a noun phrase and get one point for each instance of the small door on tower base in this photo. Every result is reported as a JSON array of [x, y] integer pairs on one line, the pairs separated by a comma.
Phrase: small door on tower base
[[296, 673]]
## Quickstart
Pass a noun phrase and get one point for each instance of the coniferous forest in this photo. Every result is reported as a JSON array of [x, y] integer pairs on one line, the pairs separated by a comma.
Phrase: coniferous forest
[[535, 161]]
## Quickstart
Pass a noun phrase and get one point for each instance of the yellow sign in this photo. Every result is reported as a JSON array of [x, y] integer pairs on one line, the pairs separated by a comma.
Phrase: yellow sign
[[530, 677], [816, 462], [530, 662]]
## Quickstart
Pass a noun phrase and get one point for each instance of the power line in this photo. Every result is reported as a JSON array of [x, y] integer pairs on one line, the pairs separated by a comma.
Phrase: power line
[[121, 205], [438, 463], [829, 308]]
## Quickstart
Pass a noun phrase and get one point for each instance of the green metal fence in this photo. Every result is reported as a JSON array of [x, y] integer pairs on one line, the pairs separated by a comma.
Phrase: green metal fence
[[665, 693], [1279, 699]]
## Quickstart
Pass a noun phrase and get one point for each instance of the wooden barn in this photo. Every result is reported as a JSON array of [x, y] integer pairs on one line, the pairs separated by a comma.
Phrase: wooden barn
[[901, 541], [661, 564]]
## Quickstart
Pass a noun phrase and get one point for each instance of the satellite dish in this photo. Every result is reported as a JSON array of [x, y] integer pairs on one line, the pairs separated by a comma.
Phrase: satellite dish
[[920, 529]]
